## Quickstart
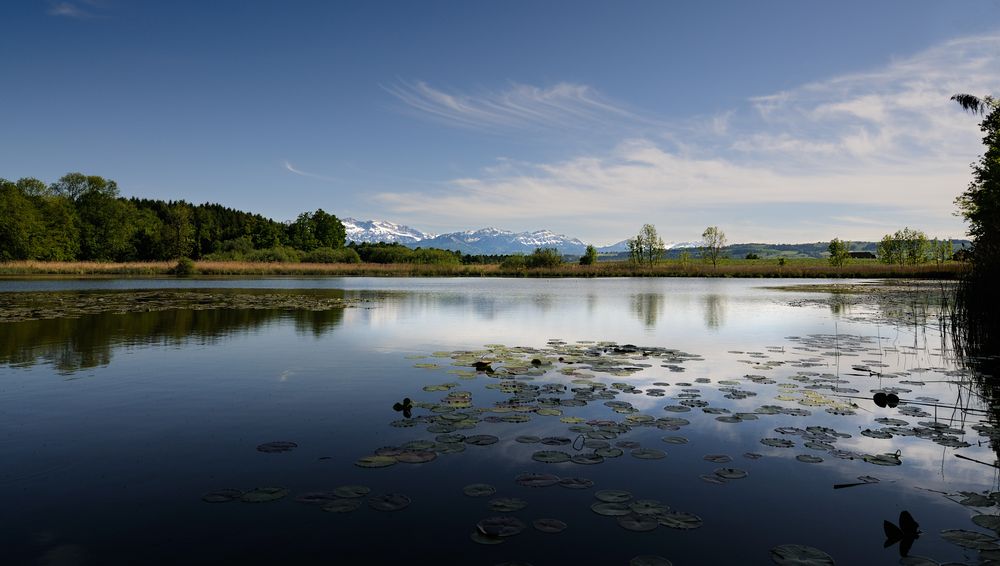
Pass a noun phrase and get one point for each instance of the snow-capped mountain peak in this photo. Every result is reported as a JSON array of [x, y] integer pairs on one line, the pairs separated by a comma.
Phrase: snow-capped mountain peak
[[372, 231]]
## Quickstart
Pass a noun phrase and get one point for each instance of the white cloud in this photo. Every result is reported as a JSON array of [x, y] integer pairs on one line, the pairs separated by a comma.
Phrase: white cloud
[[561, 106], [75, 10], [887, 139], [291, 168]]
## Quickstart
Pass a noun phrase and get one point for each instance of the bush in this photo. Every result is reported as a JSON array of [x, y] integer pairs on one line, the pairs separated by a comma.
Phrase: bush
[[331, 255], [517, 261], [434, 256], [277, 254], [548, 257], [184, 268], [589, 257], [752, 255]]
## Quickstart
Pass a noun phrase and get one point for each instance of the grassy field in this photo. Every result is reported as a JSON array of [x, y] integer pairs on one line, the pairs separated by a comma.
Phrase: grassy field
[[668, 268]]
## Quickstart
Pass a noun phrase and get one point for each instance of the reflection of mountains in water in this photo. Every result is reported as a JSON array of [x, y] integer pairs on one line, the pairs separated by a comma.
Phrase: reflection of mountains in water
[[72, 344]]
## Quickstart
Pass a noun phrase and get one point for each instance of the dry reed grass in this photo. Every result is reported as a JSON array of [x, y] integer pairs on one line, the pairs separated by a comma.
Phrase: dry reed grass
[[670, 268]]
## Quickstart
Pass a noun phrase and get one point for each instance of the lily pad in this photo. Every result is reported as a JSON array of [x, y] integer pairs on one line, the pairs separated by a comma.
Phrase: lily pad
[[613, 495], [342, 506], [507, 504], [479, 490], [351, 491], [551, 456], [501, 526], [649, 560], [533, 479], [679, 520], [718, 458], [389, 502], [970, 539], [648, 454], [800, 555], [576, 483], [991, 522], [674, 440], [277, 446], [481, 439], [416, 456], [222, 496], [587, 459], [808, 458], [638, 523], [480, 538], [730, 473], [549, 525], [317, 497], [375, 461], [610, 509], [525, 439], [264, 494]]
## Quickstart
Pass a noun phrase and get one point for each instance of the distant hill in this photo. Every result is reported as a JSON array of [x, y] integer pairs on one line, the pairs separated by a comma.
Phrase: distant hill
[[493, 241]]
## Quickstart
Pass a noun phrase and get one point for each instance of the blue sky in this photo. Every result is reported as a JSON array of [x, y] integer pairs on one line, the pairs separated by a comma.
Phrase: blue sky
[[781, 121]]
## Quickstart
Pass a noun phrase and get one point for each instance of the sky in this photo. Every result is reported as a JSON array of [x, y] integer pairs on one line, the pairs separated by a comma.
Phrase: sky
[[777, 121]]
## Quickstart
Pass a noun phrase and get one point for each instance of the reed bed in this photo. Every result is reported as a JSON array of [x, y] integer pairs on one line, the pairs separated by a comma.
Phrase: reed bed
[[806, 268]]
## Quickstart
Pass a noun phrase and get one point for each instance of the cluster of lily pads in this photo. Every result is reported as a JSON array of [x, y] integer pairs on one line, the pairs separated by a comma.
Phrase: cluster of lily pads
[[552, 383]]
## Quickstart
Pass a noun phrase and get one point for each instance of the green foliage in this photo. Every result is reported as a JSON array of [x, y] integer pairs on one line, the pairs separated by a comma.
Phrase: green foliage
[[713, 242], [980, 203], [751, 255], [331, 255], [839, 252], [277, 254], [647, 247], [781, 262], [941, 250], [185, 267], [906, 246], [589, 257], [544, 257], [516, 261], [20, 223], [314, 230]]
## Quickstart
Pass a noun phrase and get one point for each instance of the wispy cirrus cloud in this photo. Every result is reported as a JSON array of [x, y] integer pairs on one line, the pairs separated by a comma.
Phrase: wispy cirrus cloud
[[77, 10], [887, 140], [563, 106], [292, 169]]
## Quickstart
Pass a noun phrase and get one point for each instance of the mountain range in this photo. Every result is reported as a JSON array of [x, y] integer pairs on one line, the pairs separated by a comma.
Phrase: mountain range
[[486, 241]]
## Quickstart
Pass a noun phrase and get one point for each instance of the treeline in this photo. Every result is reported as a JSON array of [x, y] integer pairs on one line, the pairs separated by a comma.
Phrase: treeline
[[84, 217]]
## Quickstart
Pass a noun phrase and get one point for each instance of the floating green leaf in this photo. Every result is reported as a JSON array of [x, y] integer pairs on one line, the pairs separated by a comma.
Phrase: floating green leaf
[[264, 494], [613, 495], [389, 502], [375, 461], [549, 525], [342, 506], [507, 504], [222, 496], [479, 490], [501, 526], [551, 456], [648, 453], [351, 491], [800, 555]]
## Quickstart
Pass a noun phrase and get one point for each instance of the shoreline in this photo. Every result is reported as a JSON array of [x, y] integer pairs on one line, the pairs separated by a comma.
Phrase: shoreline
[[793, 269]]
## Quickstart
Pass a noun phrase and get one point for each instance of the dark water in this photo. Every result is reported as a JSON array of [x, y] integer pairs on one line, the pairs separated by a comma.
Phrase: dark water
[[113, 426]]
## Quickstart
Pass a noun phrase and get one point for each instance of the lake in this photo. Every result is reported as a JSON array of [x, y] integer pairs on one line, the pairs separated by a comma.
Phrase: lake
[[599, 421]]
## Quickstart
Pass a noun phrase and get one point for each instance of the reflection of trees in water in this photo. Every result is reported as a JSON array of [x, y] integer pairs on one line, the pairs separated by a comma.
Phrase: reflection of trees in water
[[72, 344], [976, 336], [647, 307], [715, 310]]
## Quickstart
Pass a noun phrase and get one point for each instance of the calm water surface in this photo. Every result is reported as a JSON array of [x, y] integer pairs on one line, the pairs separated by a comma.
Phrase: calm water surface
[[113, 426]]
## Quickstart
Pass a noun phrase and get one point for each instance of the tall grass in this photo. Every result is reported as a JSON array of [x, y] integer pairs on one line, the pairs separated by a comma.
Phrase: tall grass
[[670, 268]]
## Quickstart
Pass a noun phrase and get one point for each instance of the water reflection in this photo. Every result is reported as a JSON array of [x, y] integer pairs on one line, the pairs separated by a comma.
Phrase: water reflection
[[73, 344], [715, 310], [647, 307]]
